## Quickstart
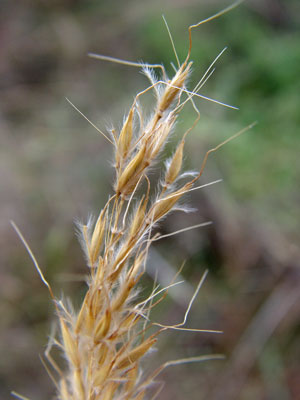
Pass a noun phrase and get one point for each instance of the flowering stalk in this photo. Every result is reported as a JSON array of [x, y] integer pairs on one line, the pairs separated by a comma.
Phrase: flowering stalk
[[104, 342]]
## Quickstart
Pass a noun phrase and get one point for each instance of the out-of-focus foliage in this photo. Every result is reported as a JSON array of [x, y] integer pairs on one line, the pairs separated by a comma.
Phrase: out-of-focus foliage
[[55, 168]]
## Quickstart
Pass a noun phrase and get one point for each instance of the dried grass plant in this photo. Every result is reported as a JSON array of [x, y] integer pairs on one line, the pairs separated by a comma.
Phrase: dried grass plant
[[105, 340]]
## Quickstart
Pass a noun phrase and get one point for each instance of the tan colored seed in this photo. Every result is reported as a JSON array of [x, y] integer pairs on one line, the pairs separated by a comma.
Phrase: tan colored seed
[[158, 139], [69, 344], [128, 323], [174, 88], [102, 327], [97, 237], [126, 136], [102, 353], [96, 302], [139, 217], [122, 295], [164, 206], [81, 317], [136, 266], [175, 165], [135, 354], [102, 374], [85, 320], [131, 174]]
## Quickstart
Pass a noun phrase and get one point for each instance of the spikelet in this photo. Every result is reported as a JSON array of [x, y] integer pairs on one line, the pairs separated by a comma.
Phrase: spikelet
[[174, 165], [97, 238], [124, 141]]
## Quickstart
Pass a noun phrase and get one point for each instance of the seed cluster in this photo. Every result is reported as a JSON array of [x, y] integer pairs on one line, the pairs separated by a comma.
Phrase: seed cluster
[[105, 341]]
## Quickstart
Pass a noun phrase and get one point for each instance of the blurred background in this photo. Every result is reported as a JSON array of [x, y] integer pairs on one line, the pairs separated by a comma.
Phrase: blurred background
[[55, 168]]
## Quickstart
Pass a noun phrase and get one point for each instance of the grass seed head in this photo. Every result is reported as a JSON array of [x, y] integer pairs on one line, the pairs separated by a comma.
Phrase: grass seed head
[[105, 341]]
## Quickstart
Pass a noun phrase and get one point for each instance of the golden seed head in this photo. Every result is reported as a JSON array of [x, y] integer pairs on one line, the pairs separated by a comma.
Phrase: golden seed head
[[106, 339]]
